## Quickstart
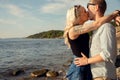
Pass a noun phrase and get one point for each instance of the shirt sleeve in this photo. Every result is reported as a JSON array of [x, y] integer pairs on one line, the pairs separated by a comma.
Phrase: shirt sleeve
[[108, 42]]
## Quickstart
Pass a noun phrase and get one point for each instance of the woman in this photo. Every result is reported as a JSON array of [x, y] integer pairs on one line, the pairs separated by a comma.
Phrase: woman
[[76, 16]]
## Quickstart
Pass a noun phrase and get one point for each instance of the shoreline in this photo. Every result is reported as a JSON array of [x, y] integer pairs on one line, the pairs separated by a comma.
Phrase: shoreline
[[25, 71]]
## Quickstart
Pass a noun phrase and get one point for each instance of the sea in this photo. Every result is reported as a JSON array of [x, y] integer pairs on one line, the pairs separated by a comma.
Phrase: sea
[[21, 52]]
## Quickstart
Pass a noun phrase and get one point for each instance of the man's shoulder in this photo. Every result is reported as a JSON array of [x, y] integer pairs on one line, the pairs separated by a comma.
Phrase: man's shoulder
[[107, 26]]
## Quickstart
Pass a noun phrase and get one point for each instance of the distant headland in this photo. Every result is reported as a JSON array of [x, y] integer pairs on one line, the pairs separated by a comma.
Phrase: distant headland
[[48, 34]]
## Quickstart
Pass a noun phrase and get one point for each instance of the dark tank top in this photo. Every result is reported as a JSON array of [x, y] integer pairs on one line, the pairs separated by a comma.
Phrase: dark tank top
[[80, 44]]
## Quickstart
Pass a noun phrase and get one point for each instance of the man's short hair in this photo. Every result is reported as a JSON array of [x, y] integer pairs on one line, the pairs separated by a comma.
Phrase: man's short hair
[[102, 5]]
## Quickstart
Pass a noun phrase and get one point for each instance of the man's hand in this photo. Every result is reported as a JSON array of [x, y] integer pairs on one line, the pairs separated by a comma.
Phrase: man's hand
[[81, 60]]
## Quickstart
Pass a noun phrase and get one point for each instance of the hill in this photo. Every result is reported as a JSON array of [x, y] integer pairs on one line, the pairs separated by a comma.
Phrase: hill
[[48, 34]]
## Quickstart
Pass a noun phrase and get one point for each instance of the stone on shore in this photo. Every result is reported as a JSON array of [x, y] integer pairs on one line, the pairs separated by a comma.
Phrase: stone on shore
[[117, 63], [68, 63], [52, 74], [118, 73], [39, 73], [17, 72]]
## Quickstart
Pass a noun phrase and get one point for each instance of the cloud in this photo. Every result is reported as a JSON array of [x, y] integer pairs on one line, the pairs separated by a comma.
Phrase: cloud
[[69, 1], [59, 6], [63, 1], [8, 22], [53, 8], [15, 10]]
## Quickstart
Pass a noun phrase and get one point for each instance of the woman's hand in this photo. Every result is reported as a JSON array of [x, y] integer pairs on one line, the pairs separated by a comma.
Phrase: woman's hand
[[117, 20], [117, 17], [116, 13], [80, 61]]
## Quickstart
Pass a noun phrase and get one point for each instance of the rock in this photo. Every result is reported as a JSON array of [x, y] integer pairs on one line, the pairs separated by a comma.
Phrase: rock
[[1, 76], [117, 63], [68, 63], [118, 72], [26, 78], [39, 73], [17, 72], [52, 74], [61, 71]]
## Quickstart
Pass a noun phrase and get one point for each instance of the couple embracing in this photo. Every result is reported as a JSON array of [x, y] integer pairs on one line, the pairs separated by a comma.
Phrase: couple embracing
[[93, 61]]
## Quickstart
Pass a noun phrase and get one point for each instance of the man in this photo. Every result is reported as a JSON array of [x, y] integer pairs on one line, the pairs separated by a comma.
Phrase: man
[[76, 16], [103, 45]]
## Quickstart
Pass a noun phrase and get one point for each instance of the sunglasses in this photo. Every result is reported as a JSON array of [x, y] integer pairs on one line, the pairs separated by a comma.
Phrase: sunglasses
[[76, 7], [90, 4]]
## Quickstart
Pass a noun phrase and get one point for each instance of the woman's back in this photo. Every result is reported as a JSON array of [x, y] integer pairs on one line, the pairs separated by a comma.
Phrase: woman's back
[[80, 44]]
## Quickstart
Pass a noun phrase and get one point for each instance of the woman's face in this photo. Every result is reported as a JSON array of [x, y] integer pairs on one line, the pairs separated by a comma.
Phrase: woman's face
[[91, 11], [83, 15]]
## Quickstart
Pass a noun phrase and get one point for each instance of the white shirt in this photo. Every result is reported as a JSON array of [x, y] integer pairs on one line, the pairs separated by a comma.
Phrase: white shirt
[[104, 43]]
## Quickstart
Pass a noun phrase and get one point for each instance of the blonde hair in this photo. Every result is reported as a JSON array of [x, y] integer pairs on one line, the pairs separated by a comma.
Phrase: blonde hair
[[72, 15]]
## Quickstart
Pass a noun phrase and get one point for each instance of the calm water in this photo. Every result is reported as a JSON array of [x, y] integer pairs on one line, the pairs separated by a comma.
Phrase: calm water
[[27, 52]]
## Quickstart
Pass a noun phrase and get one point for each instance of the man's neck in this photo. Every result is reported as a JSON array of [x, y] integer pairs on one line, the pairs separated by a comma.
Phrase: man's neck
[[98, 17]]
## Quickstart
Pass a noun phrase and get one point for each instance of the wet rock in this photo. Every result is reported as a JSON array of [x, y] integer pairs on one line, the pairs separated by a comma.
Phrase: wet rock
[[26, 78], [1, 76], [117, 63], [118, 72], [61, 71], [18, 72], [68, 63], [52, 74], [39, 73]]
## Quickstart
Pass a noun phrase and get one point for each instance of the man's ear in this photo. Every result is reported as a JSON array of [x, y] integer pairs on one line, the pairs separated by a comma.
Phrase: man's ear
[[96, 8]]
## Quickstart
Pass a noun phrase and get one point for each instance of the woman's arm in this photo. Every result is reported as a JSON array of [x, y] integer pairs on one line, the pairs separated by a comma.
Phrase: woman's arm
[[77, 30]]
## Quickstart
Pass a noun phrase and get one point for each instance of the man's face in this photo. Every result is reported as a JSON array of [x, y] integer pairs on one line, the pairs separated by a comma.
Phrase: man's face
[[91, 10]]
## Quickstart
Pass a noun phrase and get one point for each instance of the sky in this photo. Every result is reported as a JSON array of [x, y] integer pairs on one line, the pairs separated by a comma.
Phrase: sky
[[21, 18]]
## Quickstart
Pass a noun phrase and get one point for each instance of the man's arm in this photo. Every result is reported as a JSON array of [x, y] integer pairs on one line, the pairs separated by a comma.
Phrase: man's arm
[[77, 30], [84, 60]]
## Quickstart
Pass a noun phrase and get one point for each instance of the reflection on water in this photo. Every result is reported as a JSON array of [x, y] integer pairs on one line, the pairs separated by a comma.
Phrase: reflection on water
[[19, 52]]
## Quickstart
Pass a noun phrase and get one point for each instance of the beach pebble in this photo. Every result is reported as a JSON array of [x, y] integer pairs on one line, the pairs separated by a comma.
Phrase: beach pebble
[[117, 63], [39, 73], [118, 72], [52, 74], [68, 63], [17, 72]]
